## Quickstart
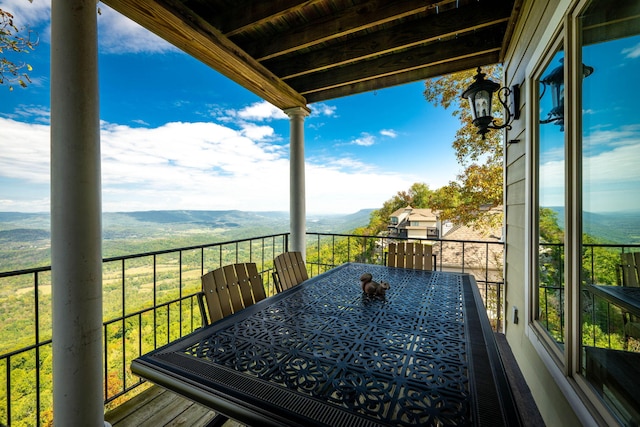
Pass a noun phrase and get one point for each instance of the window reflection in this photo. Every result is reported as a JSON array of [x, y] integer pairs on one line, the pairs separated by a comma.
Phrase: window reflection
[[610, 296], [551, 199]]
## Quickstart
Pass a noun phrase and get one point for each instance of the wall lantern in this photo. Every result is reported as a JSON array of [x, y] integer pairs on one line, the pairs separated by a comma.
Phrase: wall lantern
[[555, 81], [480, 97]]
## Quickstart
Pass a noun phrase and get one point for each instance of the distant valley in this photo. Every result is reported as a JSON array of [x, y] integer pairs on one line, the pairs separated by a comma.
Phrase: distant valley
[[25, 237]]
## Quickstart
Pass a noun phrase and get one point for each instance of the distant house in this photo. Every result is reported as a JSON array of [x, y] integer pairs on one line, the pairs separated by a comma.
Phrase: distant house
[[412, 223]]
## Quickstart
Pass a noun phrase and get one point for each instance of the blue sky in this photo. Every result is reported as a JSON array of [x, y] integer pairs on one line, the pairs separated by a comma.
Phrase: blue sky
[[178, 135]]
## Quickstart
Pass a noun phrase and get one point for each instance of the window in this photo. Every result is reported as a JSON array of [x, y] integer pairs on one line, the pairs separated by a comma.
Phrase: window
[[587, 205], [610, 199]]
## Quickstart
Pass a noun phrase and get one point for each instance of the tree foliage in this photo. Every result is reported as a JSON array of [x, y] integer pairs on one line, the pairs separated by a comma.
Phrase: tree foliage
[[479, 186], [12, 41]]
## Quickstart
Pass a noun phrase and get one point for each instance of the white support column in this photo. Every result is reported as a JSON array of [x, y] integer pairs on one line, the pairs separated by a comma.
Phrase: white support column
[[297, 201], [76, 216]]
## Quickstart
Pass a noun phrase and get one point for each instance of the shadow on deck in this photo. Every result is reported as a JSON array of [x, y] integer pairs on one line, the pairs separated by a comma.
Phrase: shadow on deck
[[157, 407]]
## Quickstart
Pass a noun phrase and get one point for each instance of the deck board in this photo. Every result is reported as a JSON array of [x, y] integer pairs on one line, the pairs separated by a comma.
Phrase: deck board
[[158, 407]]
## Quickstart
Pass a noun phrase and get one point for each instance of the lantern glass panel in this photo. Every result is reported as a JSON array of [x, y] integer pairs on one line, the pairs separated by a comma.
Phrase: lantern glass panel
[[482, 103], [557, 93]]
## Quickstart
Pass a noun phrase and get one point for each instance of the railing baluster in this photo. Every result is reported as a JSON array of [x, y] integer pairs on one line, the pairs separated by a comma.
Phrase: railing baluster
[[36, 298], [106, 362], [124, 312], [180, 289], [155, 301]]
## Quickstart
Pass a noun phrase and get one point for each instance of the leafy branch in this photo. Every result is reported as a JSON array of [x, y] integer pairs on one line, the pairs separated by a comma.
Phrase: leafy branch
[[11, 42]]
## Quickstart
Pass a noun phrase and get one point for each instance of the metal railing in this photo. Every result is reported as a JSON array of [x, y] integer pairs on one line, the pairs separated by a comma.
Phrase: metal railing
[[149, 300]]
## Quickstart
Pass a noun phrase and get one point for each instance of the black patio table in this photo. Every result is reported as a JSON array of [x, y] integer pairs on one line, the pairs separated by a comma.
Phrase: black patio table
[[323, 353]]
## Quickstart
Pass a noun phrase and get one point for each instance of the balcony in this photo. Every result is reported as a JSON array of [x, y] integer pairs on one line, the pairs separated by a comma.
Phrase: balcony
[[150, 299]]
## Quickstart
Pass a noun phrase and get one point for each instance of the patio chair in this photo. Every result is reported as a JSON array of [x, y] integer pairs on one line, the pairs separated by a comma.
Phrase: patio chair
[[416, 256], [228, 289], [290, 270], [628, 275]]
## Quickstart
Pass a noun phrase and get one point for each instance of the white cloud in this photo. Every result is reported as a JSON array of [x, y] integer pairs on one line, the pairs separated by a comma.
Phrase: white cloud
[[624, 135], [32, 113], [191, 166], [389, 132], [257, 133], [365, 140], [344, 191], [119, 35], [632, 52], [322, 109], [611, 176], [28, 13], [260, 111], [24, 151]]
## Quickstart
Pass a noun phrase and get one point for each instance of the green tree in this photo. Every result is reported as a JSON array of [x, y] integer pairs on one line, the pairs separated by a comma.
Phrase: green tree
[[12, 41], [479, 186]]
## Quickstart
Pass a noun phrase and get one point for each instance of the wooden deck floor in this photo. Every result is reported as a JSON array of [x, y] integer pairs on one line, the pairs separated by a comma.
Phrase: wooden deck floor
[[157, 407]]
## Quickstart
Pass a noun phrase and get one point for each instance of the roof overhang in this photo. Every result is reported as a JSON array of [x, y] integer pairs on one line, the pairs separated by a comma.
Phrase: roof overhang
[[293, 52]]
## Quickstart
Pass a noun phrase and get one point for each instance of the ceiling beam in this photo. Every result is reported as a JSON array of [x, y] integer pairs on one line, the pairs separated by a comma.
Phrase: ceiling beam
[[173, 22], [480, 42], [330, 27], [405, 77], [259, 13], [429, 29]]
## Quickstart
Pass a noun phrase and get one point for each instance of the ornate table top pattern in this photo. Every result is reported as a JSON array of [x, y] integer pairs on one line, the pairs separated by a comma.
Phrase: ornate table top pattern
[[401, 360]]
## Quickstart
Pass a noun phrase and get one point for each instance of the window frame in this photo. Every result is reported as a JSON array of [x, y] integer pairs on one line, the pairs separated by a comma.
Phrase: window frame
[[558, 355]]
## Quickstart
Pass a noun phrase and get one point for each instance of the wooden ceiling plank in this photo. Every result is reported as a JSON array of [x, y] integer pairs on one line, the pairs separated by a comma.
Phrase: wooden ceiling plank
[[260, 13], [419, 57], [176, 24], [433, 27], [406, 77], [349, 21]]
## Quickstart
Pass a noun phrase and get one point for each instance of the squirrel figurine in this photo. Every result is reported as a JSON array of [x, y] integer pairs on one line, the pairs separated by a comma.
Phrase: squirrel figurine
[[372, 288]]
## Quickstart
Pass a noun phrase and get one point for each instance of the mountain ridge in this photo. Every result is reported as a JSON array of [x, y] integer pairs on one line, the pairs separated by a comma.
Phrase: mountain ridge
[[20, 226]]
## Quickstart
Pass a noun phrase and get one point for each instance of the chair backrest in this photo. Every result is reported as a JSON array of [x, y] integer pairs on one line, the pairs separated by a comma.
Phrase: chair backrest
[[630, 262], [290, 270], [410, 255], [230, 288]]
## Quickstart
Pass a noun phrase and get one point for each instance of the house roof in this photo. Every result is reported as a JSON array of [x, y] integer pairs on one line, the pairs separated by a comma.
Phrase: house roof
[[296, 52], [463, 232], [422, 215], [401, 211], [416, 214]]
